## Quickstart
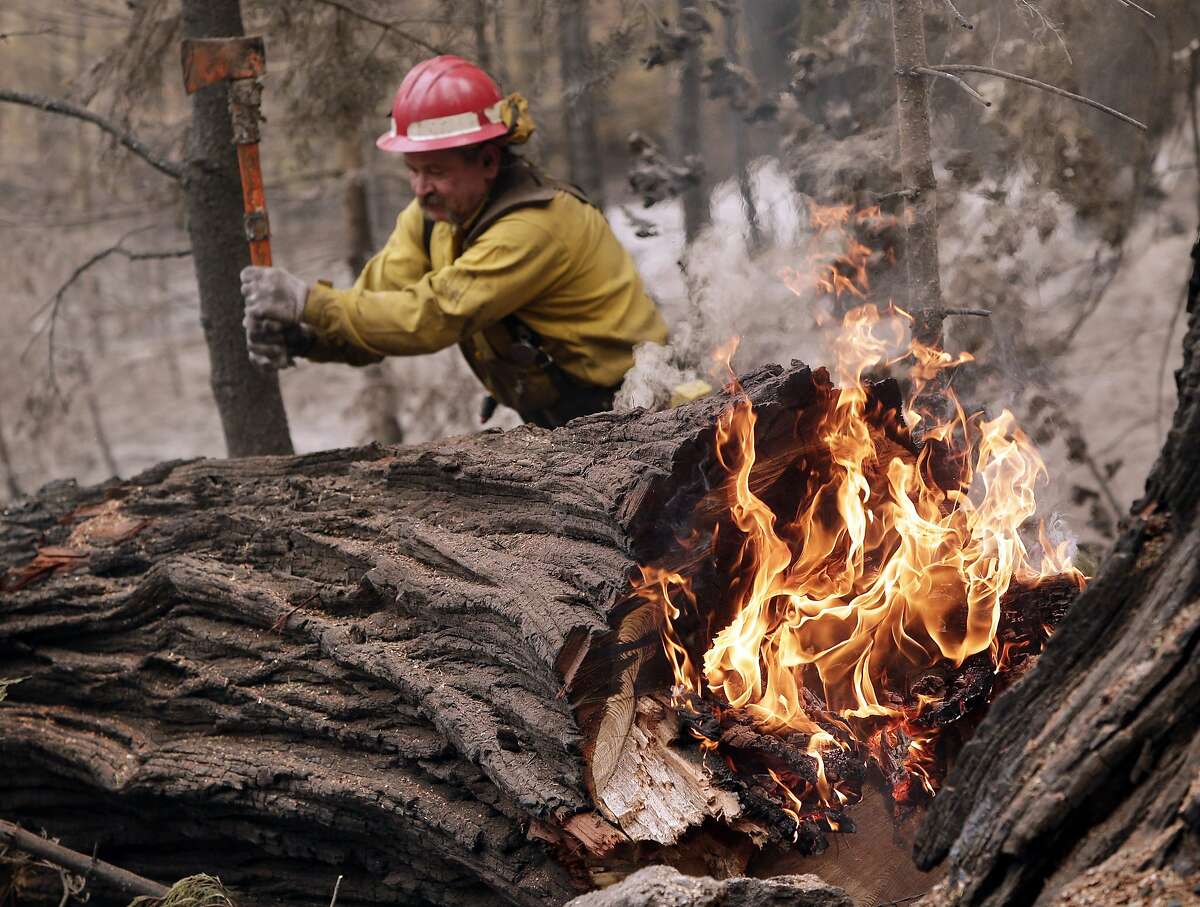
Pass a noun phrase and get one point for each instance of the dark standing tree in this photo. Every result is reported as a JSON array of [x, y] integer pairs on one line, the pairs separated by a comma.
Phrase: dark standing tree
[[479, 27], [688, 123], [916, 169], [585, 161], [248, 399], [732, 12], [379, 398]]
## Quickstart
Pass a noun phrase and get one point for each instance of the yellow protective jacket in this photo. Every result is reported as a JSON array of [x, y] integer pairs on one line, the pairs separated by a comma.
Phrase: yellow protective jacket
[[536, 257]]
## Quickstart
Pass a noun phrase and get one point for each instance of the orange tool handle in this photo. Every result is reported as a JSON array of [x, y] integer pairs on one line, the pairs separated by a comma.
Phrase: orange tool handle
[[254, 202]]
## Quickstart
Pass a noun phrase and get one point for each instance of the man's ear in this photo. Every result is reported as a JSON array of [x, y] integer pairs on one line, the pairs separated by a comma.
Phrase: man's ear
[[490, 158]]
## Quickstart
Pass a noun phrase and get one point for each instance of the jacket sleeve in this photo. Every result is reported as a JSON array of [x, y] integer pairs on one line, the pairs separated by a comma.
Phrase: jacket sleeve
[[403, 259], [510, 265], [400, 262]]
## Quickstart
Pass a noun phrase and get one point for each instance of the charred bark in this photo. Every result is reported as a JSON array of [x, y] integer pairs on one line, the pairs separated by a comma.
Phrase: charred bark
[[248, 399], [1081, 785], [368, 662]]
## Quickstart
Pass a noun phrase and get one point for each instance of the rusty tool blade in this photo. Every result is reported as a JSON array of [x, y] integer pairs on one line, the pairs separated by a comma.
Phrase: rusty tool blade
[[207, 61]]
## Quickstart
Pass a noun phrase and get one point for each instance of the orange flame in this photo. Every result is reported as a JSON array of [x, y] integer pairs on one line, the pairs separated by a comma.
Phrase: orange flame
[[883, 572]]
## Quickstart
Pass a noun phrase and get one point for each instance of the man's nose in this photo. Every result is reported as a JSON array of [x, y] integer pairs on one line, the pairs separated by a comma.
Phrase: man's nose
[[420, 185]]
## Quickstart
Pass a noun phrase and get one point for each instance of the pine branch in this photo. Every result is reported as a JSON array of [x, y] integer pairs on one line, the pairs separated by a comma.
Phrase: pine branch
[[171, 168]]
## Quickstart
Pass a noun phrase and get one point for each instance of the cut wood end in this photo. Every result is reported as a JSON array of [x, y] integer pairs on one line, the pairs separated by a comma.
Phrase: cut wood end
[[656, 791]]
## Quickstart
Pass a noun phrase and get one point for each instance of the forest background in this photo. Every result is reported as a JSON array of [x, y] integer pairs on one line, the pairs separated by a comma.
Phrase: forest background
[[1071, 227]]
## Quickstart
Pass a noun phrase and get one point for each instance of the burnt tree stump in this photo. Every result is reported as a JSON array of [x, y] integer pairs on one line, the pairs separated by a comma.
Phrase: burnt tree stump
[[366, 661]]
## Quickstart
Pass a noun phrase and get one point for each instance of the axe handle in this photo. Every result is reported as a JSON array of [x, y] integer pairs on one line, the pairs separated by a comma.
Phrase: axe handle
[[254, 202]]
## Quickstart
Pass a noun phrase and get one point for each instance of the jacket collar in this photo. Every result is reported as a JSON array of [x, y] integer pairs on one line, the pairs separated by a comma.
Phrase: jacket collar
[[519, 185]]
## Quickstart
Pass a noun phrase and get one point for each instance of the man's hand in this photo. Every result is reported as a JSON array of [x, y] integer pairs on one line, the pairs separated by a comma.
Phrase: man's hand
[[273, 293], [274, 303], [266, 342]]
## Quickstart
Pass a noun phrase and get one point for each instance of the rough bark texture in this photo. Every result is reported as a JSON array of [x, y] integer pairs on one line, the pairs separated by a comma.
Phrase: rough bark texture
[[916, 168], [658, 885], [1088, 772], [248, 400], [359, 662]]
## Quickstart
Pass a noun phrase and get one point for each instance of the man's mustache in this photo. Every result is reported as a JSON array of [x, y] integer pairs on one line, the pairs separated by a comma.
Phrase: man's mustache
[[433, 200]]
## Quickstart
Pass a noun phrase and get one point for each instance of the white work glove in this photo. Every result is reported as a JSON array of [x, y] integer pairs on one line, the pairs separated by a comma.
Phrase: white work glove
[[273, 293], [266, 342], [274, 303]]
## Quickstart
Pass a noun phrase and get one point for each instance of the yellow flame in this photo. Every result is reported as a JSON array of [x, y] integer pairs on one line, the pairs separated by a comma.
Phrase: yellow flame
[[884, 571]]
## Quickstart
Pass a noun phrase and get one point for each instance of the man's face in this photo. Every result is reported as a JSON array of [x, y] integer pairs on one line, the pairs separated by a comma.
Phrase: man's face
[[449, 184]]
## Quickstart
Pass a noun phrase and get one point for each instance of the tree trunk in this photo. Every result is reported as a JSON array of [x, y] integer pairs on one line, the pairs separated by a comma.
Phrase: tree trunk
[[585, 161], [500, 45], [379, 398], [737, 129], [916, 168], [687, 134], [248, 400], [1083, 784], [479, 25], [11, 485], [387, 663]]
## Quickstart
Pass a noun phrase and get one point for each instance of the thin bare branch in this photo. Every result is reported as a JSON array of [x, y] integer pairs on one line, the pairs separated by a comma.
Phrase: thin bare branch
[[55, 302], [1101, 277], [1035, 14], [381, 23], [961, 19], [4, 36], [78, 863], [978, 313], [1129, 4], [171, 168], [961, 83], [1034, 83]]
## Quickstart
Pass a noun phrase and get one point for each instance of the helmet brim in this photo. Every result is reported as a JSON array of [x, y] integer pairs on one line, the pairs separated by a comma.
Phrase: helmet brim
[[402, 144]]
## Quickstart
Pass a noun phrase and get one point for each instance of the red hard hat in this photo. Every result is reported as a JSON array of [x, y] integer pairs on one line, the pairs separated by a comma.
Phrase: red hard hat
[[445, 102]]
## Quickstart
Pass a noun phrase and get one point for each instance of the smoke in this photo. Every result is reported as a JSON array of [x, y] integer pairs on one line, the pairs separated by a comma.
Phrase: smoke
[[719, 289]]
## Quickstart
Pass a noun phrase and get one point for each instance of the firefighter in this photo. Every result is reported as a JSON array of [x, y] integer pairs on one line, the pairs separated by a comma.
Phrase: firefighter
[[517, 268]]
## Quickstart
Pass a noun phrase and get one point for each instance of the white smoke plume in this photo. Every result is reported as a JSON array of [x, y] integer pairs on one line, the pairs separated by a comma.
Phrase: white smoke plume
[[720, 290]]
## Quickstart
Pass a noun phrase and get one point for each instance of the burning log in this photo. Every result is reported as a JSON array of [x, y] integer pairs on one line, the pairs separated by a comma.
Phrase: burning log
[[421, 668]]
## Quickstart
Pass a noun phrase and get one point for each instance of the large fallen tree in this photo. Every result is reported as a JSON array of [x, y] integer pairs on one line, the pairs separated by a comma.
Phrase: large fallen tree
[[365, 662], [421, 668]]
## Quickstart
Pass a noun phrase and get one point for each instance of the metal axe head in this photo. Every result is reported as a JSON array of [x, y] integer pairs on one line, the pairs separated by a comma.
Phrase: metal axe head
[[207, 61]]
